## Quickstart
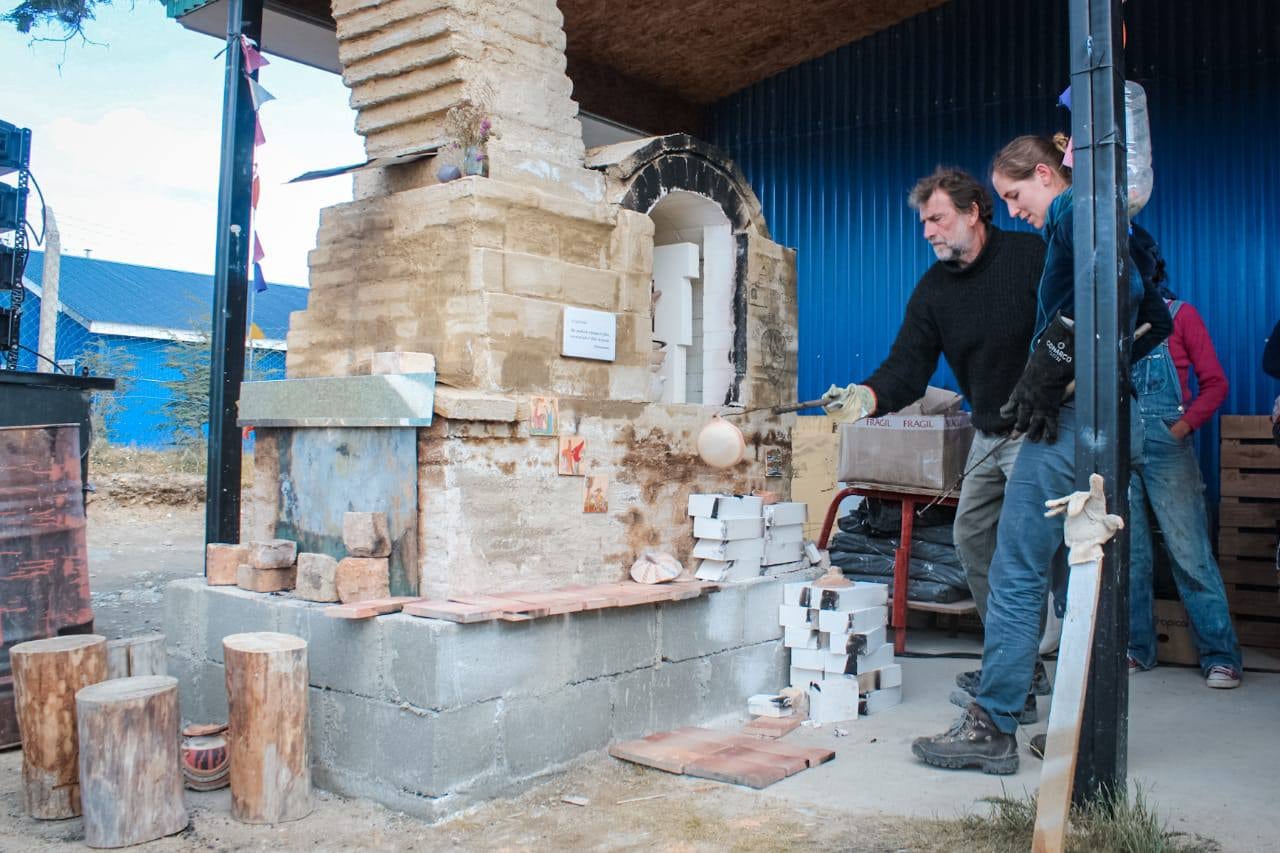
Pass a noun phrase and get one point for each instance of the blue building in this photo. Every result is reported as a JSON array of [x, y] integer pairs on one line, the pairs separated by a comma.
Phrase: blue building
[[131, 321]]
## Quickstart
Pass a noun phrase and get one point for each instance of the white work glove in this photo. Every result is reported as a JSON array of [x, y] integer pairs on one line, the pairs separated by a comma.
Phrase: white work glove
[[849, 404], [1088, 525]]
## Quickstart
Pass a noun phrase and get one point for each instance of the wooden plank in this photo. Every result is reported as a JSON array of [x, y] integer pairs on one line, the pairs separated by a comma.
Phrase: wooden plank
[[593, 597], [451, 611], [1253, 602], [1234, 544], [1245, 426], [954, 608], [1234, 512], [1258, 632], [503, 605], [369, 609], [1057, 776], [555, 602], [1249, 572], [1247, 485], [1250, 454]]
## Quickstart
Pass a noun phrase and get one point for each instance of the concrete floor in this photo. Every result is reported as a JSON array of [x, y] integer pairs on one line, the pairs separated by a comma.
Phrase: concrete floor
[[1207, 759]]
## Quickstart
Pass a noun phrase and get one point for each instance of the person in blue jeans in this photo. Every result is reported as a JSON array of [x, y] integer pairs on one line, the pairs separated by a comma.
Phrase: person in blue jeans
[[1170, 483], [1029, 175]]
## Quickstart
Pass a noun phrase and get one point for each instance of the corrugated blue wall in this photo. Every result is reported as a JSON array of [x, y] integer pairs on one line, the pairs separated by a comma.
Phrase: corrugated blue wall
[[141, 420], [832, 147]]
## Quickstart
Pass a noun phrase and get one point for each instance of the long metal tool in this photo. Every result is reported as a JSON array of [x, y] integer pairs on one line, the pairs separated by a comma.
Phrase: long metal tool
[[786, 408]]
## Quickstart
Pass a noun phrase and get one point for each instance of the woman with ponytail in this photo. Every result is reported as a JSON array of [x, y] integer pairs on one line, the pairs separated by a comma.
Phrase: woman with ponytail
[[1029, 176]]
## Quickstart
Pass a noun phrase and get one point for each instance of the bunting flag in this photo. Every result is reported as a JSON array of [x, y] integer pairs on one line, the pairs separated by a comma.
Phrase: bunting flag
[[253, 60], [256, 189], [259, 282], [259, 138], [1069, 156], [258, 94], [258, 254], [255, 333]]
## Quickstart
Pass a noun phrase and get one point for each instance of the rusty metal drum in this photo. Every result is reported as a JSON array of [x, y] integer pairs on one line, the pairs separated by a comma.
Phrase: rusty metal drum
[[44, 575]]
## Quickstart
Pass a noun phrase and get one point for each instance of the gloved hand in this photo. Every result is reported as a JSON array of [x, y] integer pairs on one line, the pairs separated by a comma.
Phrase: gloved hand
[[1037, 398], [849, 404]]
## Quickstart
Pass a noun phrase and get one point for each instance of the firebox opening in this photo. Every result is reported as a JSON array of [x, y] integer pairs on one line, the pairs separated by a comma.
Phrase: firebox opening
[[693, 267]]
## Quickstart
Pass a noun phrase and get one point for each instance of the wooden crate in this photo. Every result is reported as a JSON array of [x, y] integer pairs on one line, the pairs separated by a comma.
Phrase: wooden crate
[[1249, 527]]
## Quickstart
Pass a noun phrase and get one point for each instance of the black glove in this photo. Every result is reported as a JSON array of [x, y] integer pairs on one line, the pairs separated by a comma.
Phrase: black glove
[[1037, 398]]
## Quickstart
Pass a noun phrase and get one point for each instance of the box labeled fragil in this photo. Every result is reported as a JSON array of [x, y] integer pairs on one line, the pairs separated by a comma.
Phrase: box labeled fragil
[[801, 677], [857, 643], [857, 597], [795, 616], [786, 514], [923, 446], [738, 549], [833, 700], [801, 638], [776, 553], [728, 528], [726, 506], [854, 621]]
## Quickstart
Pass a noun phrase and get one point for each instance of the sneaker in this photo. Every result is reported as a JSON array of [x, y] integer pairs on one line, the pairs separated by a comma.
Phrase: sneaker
[[1036, 745], [1040, 686], [974, 741], [1222, 677], [1134, 666], [1029, 714]]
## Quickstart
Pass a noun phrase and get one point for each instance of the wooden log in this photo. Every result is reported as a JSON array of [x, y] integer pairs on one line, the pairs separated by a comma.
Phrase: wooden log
[[267, 727], [130, 775], [46, 675]]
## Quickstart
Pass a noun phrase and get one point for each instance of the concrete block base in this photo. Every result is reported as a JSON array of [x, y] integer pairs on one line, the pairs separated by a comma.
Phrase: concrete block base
[[430, 717]]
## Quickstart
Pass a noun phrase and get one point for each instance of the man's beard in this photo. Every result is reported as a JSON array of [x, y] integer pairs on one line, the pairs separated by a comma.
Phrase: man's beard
[[950, 252]]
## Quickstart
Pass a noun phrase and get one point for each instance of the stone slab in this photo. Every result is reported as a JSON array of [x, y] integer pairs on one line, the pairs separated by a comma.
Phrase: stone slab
[[384, 400]]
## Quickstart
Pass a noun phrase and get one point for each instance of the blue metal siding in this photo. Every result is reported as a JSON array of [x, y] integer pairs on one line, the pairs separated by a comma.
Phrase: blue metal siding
[[832, 147]]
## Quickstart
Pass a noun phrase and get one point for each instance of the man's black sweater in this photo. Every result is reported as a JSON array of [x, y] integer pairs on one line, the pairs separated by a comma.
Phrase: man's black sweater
[[981, 317]]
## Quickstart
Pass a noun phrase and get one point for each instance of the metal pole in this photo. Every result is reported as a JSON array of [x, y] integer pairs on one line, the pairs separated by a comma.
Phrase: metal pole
[[1103, 330], [231, 280]]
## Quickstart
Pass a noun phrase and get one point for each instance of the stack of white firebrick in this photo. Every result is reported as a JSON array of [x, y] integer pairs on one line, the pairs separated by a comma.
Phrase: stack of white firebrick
[[741, 537], [838, 649]]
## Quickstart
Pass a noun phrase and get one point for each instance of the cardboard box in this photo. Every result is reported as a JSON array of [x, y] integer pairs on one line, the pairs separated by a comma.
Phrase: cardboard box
[[1174, 641], [815, 450], [922, 447]]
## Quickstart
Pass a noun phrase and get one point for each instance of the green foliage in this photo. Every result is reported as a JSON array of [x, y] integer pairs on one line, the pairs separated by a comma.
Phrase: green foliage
[[69, 15], [187, 409], [101, 359]]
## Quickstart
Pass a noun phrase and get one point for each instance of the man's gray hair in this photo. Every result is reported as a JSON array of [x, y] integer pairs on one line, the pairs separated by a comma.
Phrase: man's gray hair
[[964, 189]]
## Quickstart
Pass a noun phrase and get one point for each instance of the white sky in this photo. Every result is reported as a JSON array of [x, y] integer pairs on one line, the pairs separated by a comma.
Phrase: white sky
[[126, 132]]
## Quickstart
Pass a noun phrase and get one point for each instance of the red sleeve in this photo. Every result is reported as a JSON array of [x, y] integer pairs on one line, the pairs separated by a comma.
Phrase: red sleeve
[[1204, 360]]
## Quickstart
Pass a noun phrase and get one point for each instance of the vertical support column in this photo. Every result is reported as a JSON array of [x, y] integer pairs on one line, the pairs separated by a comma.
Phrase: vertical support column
[[231, 280], [1103, 331]]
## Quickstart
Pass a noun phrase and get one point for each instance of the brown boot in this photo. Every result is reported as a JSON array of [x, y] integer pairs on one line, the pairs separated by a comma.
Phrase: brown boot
[[974, 741]]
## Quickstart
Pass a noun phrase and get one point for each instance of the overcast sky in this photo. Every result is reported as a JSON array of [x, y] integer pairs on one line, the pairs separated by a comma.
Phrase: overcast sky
[[125, 137]]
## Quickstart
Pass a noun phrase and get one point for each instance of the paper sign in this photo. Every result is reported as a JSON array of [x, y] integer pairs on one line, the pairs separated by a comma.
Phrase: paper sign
[[589, 334]]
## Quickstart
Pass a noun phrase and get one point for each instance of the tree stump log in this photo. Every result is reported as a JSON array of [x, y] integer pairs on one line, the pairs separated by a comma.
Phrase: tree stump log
[[46, 675], [267, 727], [130, 771]]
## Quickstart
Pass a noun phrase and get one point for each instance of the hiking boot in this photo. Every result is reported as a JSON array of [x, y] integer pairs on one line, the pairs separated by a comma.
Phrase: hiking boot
[[1036, 745], [1222, 677], [1040, 686], [1027, 716], [974, 741]]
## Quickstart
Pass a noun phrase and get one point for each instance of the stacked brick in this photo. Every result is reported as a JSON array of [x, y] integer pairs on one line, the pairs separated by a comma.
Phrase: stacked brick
[[741, 537], [274, 565], [839, 649]]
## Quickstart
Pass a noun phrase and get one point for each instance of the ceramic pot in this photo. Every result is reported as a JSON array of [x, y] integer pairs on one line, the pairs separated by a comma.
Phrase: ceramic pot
[[720, 443]]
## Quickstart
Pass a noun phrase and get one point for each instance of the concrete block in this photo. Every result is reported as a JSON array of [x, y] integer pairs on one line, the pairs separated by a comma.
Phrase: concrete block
[[365, 534], [393, 363], [272, 554], [265, 580], [450, 748], [362, 578], [682, 694], [760, 601], [230, 610], [317, 577], [743, 672], [612, 641], [221, 562], [701, 626], [185, 619], [543, 732], [202, 689], [631, 695], [345, 655]]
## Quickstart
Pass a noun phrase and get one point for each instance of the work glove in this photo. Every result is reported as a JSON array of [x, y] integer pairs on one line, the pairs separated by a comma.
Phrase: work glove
[[849, 404], [1037, 398], [1088, 525]]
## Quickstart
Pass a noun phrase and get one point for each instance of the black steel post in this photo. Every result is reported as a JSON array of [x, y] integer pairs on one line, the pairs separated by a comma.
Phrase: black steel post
[[1103, 338], [231, 280]]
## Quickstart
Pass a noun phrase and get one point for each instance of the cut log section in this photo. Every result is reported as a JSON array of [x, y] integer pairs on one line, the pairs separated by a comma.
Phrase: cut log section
[[46, 676], [267, 727], [130, 776]]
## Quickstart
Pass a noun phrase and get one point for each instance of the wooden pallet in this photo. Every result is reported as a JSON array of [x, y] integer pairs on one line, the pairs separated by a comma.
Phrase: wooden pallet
[[1249, 527]]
